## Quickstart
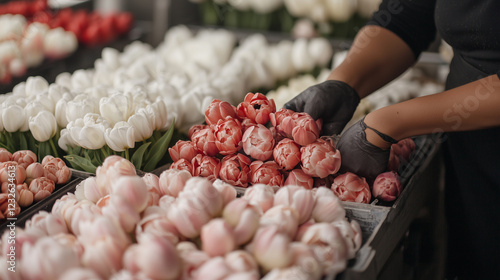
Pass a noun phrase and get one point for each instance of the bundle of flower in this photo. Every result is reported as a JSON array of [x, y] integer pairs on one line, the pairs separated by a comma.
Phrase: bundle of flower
[[175, 226], [24, 180], [24, 45]]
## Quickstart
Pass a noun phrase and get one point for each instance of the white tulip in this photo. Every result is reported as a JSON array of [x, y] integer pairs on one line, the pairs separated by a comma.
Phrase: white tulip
[[19, 89], [14, 118], [304, 28], [157, 112], [97, 92], [242, 5], [366, 8], [321, 51], [36, 85], [56, 92], [59, 43], [318, 13], [43, 126], [176, 36], [279, 61], [66, 140], [142, 125], [79, 107], [17, 67], [116, 108], [301, 59], [89, 131], [33, 108], [82, 79], [33, 58], [1, 122], [12, 26], [299, 8], [110, 57], [120, 137], [64, 79], [60, 113], [265, 6], [341, 10]]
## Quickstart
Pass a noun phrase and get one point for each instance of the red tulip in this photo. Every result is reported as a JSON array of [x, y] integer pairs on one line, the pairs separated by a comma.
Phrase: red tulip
[[320, 158], [287, 154], [228, 136], [219, 110], [258, 142], [204, 140], [205, 166], [298, 177], [183, 149], [387, 186], [235, 170], [351, 187], [266, 173], [256, 107]]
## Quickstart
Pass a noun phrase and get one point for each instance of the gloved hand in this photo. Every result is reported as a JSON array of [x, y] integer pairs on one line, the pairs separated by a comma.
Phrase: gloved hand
[[360, 156], [332, 101]]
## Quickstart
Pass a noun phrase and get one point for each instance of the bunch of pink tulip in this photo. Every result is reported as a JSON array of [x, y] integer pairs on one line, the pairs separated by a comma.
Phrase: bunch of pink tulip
[[33, 181], [253, 143]]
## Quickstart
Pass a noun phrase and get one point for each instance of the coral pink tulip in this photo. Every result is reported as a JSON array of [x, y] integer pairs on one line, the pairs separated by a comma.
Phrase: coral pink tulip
[[271, 248], [285, 217], [351, 187], [243, 217], [228, 136], [205, 166], [320, 158], [328, 207], [305, 129], [41, 188], [217, 238], [172, 181], [387, 186], [256, 107], [5, 155], [8, 208], [34, 171], [25, 198], [261, 196], [287, 154], [196, 128], [24, 158], [266, 173], [283, 122], [219, 110], [56, 170], [154, 257], [6, 169], [299, 198], [204, 141], [235, 170], [298, 177], [183, 149], [182, 164], [246, 123], [258, 142]]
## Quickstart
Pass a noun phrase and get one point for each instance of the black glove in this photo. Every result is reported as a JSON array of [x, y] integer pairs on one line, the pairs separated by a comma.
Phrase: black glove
[[332, 101], [360, 156]]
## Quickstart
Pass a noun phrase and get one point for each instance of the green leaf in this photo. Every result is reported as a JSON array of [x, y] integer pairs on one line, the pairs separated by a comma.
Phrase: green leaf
[[23, 144], [43, 150], [138, 155], [32, 146], [81, 163], [159, 149]]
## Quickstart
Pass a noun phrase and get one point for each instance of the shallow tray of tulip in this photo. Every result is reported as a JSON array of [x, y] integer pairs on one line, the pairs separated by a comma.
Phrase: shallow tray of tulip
[[44, 204]]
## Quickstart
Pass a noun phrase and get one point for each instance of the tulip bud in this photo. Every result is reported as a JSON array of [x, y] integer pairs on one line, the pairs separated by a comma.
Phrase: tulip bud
[[258, 142], [298, 177], [256, 107], [206, 166], [55, 169], [157, 225], [287, 154], [387, 186], [328, 207], [243, 217], [320, 158], [5, 155], [350, 187], [218, 238], [142, 126], [261, 196], [133, 190], [235, 170], [172, 181], [213, 269], [25, 198], [49, 223], [242, 261], [34, 171], [111, 169], [285, 217], [120, 209], [226, 190], [305, 130], [43, 126], [219, 110], [24, 158], [228, 136], [266, 173], [271, 248], [352, 234], [204, 140], [183, 149], [298, 198], [120, 137], [41, 188], [6, 169]]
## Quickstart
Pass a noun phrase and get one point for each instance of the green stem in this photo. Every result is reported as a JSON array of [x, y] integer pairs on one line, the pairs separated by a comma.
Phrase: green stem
[[51, 141], [104, 152], [126, 154]]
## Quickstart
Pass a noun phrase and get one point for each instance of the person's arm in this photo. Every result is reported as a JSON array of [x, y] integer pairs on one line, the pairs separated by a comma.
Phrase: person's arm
[[377, 56], [469, 107]]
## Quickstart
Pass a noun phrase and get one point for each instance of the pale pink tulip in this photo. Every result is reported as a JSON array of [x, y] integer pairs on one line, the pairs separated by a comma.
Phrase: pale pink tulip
[[298, 177], [299, 198], [304, 259], [19, 172], [24, 158], [227, 191], [196, 128], [122, 211], [183, 149], [182, 164], [320, 158], [158, 225], [249, 275], [55, 169], [25, 198], [242, 261], [5, 155], [192, 259], [71, 241], [111, 169], [91, 191], [81, 212], [49, 223], [102, 228], [302, 229], [34, 171], [291, 272], [204, 141], [329, 247], [153, 185], [46, 259], [65, 207], [235, 170], [219, 110], [285, 217], [23, 237], [387, 186], [228, 136], [351, 187], [205, 166], [287, 154], [165, 202], [261, 196], [172, 181], [352, 234], [41, 188], [271, 248], [258, 142], [217, 238], [207, 196], [256, 107], [283, 122], [80, 274], [243, 217], [266, 173], [154, 257], [328, 207], [213, 269], [305, 129], [133, 190]]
